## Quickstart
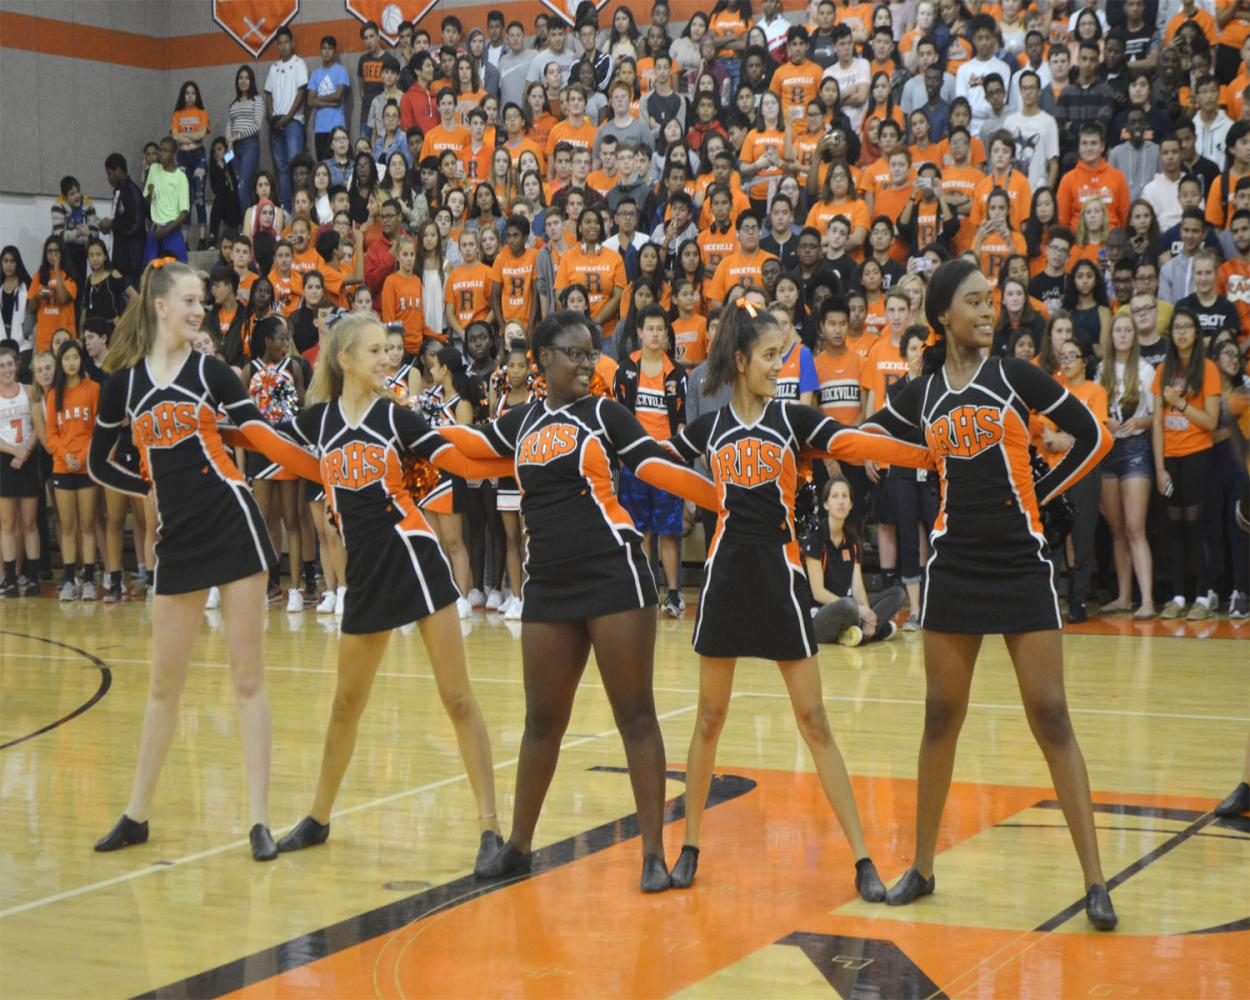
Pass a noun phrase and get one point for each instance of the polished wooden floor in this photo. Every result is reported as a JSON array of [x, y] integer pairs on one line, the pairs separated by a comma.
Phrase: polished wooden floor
[[387, 909]]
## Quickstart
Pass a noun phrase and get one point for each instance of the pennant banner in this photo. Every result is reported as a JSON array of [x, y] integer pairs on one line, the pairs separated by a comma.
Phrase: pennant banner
[[253, 23], [389, 14]]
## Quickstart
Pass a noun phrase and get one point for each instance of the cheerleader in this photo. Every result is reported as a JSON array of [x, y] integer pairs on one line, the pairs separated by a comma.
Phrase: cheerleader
[[396, 571], [211, 531], [402, 380], [752, 447], [988, 573], [588, 583]]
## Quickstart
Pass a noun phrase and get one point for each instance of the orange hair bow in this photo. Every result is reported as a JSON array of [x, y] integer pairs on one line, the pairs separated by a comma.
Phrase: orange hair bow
[[744, 303], [160, 262]]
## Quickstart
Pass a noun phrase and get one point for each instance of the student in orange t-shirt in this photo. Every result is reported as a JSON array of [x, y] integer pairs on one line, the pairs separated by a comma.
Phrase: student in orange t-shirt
[[70, 412], [304, 256], [728, 29], [796, 82], [467, 292], [575, 129], [885, 363], [839, 198], [763, 151], [446, 134], [189, 124], [893, 197], [743, 267], [512, 277], [1003, 174], [1086, 491], [838, 367], [719, 237], [517, 142], [597, 267], [402, 295], [51, 297], [1187, 408], [690, 341], [288, 284], [995, 240]]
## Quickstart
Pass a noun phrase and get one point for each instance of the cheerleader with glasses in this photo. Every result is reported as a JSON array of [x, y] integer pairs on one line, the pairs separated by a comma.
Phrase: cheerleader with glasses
[[587, 582], [988, 573], [211, 531], [753, 447]]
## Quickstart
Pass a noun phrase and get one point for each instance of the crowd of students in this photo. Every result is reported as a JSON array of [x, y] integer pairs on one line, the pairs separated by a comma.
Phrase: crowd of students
[[1093, 160]]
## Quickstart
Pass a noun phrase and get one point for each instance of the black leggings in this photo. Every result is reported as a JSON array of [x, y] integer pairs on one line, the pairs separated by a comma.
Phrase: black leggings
[[914, 503], [1187, 557]]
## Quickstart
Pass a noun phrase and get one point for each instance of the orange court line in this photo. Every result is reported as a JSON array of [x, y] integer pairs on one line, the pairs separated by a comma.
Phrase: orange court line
[[773, 863]]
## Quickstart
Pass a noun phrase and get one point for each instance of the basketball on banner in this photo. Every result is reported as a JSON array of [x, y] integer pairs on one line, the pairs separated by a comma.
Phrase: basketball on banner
[[253, 23], [389, 14], [567, 9]]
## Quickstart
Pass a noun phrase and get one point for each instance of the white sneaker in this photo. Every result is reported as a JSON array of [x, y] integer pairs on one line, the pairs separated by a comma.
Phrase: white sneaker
[[512, 612], [295, 600], [463, 607], [88, 590], [494, 601], [326, 607], [340, 598], [69, 591], [214, 599], [476, 598]]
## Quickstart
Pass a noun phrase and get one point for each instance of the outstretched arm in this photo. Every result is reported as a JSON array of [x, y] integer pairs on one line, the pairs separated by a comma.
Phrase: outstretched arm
[[652, 462]]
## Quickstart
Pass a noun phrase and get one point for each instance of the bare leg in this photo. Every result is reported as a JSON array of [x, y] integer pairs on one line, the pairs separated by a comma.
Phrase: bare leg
[[512, 533], [1136, 496], [288, 493], [1113, 511], [554, 656], [1038, 660], [948, 660], [359, 656], [451, 533], [802, 679], [624, 645], [716, 679], [241, 605], [86, 501], [67, 518], [174, 618], [443, 644], [670, 559]]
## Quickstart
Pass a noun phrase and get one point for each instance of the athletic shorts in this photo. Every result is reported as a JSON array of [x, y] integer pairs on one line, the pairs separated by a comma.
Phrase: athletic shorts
[[71, 481], [20, 482], [653, 510]]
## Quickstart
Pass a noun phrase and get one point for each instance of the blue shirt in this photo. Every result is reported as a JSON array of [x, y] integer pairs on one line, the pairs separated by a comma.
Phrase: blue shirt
[[324, 82]]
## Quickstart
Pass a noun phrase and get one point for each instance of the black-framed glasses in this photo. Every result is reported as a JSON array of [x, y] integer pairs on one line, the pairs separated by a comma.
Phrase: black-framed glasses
[[577, 355]]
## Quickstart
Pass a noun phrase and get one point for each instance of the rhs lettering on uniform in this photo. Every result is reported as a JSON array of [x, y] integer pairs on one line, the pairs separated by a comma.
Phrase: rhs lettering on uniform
[[748, 462], [546, 444], [165, 424], [966, 431], [354, 466]]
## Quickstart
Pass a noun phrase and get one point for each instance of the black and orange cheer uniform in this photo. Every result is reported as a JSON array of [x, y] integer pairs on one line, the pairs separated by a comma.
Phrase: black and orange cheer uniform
[[988, 573], [209, 529], [584, 556], [396, 570], [756, 600]]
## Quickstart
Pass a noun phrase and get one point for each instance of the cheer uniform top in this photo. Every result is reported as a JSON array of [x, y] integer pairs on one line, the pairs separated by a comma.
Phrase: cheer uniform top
[[447, 496], [396, 570], [17, 427], [755, 596], [584, 556], [988, 572], [209, 531]]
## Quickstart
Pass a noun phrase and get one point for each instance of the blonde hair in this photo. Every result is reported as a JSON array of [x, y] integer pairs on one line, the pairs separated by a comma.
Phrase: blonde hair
[[1083, 236], [327, 380], [135, 332], [1131, 395], [39, 392]]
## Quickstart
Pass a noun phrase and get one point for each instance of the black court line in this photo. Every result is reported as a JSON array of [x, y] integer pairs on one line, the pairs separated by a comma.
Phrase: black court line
[[106, 681], [364, 927], [1147, 859], [1127, 829]]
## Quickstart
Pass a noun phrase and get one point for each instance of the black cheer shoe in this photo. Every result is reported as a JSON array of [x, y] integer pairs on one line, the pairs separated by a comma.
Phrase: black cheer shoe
[[910, 887], [307, 833], [655, 877], [125, 832], [263, 847], [491, 845], [508, 860], [1237, 803], [868, 883], [682, 875], [1099, 909]]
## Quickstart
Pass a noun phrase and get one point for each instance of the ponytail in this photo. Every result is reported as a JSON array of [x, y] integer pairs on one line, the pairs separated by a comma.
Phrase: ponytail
[[327, 380], [135, 332], [740, 327]]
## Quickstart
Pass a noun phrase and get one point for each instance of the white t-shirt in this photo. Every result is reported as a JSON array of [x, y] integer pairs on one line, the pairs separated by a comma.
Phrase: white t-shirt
[[968, 83], [1037, 142], [283, 84], [859, 72]]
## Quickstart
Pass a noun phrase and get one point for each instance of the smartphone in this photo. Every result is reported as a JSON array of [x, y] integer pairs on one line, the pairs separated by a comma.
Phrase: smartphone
[[229, 155], [924, 182]]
